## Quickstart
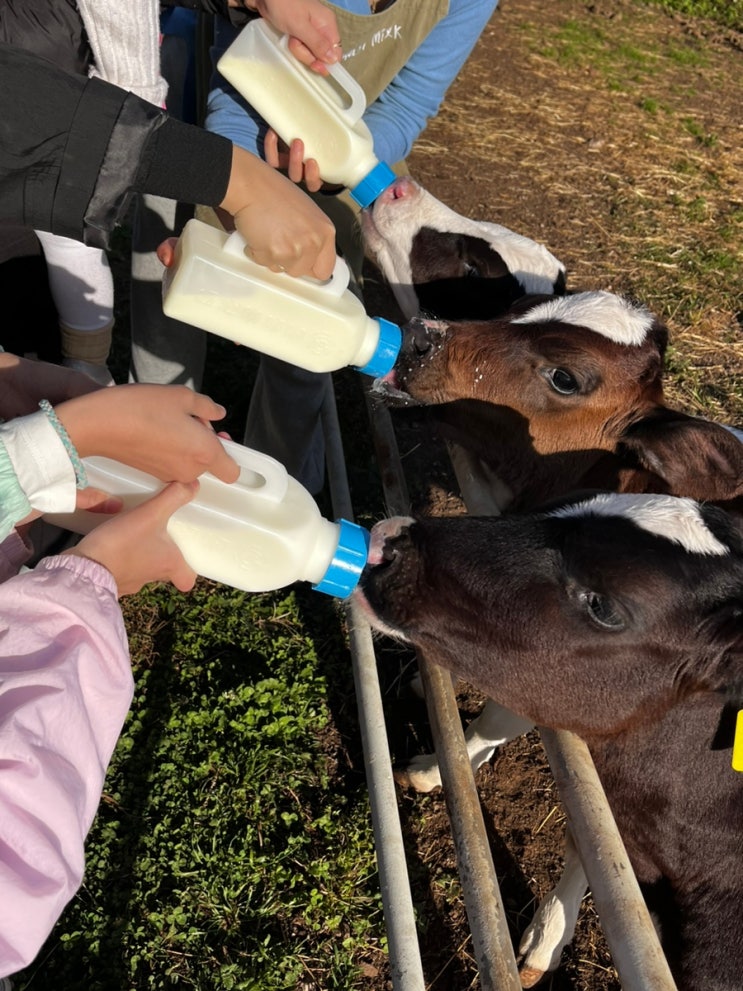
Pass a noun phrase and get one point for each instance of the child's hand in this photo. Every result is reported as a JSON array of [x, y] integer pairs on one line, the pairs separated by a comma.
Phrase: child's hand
[[164, 430], [135, 546], [291, 160], [166, 251], [315, 39], [24, 382], [283, 228]]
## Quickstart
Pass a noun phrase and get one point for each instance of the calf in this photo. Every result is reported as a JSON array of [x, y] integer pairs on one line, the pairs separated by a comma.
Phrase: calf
[[554, 395], [442, 263], [620, 618], [562, 393]]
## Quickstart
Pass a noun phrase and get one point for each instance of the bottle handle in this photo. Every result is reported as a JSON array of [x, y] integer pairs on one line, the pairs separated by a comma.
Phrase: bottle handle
[[344, 85], [336, 285], [260, 474]]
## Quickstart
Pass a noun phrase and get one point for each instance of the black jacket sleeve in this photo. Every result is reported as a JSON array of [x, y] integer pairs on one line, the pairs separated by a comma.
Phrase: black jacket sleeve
[[73, 150]]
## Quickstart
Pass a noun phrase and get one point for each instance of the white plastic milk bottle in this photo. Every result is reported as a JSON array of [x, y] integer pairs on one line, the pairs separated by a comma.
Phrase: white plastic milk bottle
[[260, 533], [324, 111], [320, 326]]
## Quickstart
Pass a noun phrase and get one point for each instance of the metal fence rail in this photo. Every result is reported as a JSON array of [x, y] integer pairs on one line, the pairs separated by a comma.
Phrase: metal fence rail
[[397, 901]]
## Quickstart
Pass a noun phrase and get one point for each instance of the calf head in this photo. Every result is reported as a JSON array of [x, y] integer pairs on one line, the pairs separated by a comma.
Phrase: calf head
[[564, 393], [594, 616], [439, 262], [576, 368]]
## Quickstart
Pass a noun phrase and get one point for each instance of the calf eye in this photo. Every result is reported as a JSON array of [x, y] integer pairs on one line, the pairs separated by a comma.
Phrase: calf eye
[[562, 381], [471, 271], [602, 611]]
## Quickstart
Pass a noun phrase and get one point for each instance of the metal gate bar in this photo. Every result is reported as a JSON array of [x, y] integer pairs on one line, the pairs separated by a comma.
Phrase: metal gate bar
[[397, 901], [624, 916], [491, 940]]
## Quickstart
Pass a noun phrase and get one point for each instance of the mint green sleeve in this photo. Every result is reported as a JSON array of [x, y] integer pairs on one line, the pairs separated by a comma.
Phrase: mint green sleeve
[[14, 505]]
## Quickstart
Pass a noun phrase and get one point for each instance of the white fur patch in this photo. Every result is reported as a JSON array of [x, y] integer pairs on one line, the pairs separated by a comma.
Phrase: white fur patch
[[536, 268], [531, 263], [391, 224], [602, 312], [676, 519]]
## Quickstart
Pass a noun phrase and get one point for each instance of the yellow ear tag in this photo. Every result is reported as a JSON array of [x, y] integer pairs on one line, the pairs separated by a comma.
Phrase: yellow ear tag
[[738, 743]]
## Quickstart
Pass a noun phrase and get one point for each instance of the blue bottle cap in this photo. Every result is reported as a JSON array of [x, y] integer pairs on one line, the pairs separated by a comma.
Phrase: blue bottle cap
[[374, 183], [348, 562], [388, 348]]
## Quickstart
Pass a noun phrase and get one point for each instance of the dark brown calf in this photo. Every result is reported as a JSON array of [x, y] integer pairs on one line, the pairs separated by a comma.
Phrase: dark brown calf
[[621, 619]]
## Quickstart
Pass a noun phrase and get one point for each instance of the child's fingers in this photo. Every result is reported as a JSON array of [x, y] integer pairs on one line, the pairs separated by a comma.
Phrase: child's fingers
[[224, 468], [96, 501], [171, 498], [184, 578], [295, 170], [204, 408], [271, 148], [164, 504], [166, 251], [312, 178]]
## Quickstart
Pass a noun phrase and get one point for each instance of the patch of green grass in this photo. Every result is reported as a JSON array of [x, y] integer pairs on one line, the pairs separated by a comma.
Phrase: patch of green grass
[[726, 12], [696, 130], [688, 56], [225, 855], [581, 43]]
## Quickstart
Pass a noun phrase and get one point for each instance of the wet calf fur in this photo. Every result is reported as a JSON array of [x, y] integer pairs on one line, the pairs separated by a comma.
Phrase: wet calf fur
[[619, 618]]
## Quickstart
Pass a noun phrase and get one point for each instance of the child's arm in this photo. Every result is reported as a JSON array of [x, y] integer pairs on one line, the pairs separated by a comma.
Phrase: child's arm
[[163, 430], [65, 689]]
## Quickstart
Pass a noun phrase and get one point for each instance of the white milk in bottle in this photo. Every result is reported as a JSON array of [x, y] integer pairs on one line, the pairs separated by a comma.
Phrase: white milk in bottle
[[320, 326], [324, 111], [260, 533]]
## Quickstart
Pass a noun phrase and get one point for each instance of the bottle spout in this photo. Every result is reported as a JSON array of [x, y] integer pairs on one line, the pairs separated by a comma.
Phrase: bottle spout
[[373, 184], [344, 571], [386, 351]]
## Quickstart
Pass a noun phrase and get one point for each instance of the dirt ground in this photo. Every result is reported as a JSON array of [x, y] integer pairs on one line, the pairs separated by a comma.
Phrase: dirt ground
[[611, 132]]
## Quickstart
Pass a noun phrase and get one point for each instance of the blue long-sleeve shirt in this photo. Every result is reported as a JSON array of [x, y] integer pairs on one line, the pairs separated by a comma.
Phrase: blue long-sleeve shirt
[[401, 112]]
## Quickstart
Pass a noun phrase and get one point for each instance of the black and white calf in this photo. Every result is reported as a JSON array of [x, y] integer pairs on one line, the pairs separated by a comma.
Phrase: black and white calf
[[620, 618], [441, 263]]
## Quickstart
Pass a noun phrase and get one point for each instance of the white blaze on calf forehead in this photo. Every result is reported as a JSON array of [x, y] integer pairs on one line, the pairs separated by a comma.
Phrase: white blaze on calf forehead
[[602, 312], [676, 519]]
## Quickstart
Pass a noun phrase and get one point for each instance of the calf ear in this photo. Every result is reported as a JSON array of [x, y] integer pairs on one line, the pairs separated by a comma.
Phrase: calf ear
[[694, 457]]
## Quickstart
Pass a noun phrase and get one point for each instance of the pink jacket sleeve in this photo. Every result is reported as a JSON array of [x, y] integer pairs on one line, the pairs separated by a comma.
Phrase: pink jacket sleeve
[[65, 689]]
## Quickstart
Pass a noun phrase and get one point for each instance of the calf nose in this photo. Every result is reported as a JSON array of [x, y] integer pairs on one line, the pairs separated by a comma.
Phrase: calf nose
[[401, 188], [421, 335], [380, 533]]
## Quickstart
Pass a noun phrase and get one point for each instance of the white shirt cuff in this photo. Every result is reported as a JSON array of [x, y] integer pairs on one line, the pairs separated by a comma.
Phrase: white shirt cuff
[[41, 463]]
